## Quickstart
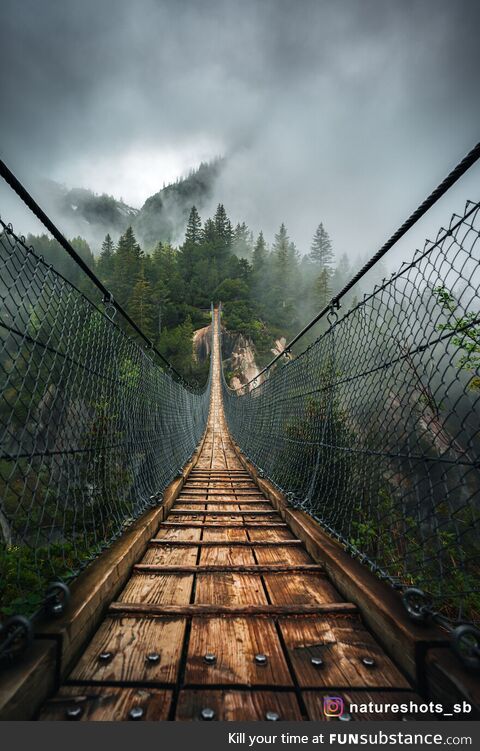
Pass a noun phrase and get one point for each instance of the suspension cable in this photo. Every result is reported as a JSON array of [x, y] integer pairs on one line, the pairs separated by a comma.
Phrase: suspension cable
[[30, 202], [468, 161]]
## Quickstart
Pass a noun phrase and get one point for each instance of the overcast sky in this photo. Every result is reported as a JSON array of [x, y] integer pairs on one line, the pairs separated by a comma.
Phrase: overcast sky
[[347, 112]]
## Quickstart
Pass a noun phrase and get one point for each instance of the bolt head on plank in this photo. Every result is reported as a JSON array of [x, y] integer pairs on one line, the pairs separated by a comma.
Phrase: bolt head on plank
[[74, 713], [136, 713], [272, 716], [105, 656]]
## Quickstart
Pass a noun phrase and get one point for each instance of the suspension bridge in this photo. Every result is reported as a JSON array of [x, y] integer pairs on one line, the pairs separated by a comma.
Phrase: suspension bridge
[[172, 552]]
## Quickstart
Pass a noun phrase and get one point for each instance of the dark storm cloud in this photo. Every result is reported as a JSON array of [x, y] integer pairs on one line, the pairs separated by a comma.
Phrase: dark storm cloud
[[346, 112]]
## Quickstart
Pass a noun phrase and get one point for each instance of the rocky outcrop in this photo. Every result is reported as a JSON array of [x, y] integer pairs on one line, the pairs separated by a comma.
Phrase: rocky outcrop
[[242, 361], [238, 351], [202, 343]]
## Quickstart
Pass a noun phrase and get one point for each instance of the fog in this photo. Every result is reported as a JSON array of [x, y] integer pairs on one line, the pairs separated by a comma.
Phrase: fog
[[347, 113]]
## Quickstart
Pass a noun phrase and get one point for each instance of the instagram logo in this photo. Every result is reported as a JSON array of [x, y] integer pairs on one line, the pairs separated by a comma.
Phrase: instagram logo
[[332, 706]]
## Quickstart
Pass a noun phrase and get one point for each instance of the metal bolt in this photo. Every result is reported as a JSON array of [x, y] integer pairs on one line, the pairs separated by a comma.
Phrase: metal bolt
[[207, 714], [74, 713], [369, 662], [105, 656], [261, 659], [345, 717], [136, 713], [317, 662], [153, 657], [210, 658], [272, 716], [57, 609]]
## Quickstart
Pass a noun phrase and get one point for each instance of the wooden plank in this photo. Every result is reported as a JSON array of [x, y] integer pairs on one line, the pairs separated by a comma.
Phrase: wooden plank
[[235, 642], [380, 709], [207, 611], [141, 568], [158, 585], [108, 703], [229, 588], [229, 506], [220, 485], [237, 706], [219, 525], [230, 534], [233, 514], [130, 640], [25, 685], [247, 502], [232, 555], [297, 588], [193, 492], [260, 534], [167, 535], [217, 542], [170, 555], [449, 682], [278, 552], [342, 643]]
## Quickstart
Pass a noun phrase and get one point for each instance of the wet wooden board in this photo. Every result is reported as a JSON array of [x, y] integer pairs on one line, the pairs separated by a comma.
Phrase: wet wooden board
[[170, 555], [294, 589], [108, 703], [271, 535], [156, 588], [219, 525], [231, 556], [381, 705], [235, 642], [229, 589], [177, 533], [342, 644], [230, 534], [237, 706], [130, 640], [288, 554], [197, 610]]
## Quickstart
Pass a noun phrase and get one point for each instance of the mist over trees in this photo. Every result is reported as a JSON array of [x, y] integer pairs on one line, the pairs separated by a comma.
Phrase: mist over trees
[[268, 290]]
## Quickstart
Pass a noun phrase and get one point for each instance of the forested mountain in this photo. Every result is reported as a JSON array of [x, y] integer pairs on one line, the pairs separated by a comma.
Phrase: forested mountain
[[161, 218], [83, 212], [268, 291]]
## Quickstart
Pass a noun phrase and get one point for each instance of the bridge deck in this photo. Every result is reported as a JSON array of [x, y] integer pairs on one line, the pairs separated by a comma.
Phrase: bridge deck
[[226, 617]]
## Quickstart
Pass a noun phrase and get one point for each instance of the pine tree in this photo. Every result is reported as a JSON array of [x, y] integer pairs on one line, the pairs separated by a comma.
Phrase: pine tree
[[106, 261], [242, 241], [223, 226], [321, 252], [260, 253], [141, 307], [323, 291], [127, 266], [194, 227]]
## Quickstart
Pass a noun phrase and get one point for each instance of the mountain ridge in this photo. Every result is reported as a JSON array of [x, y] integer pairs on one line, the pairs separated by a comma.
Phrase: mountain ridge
[[162, 217]]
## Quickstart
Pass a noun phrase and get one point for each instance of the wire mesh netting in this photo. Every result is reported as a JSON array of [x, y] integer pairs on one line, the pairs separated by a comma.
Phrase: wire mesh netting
[[93, 427], [374, 428]]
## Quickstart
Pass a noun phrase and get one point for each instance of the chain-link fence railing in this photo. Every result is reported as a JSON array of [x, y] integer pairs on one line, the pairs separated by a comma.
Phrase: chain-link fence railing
[[374, 429], [93, 428]]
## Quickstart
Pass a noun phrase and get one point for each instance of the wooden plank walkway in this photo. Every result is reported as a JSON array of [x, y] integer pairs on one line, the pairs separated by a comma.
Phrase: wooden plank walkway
[[226, 617]]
